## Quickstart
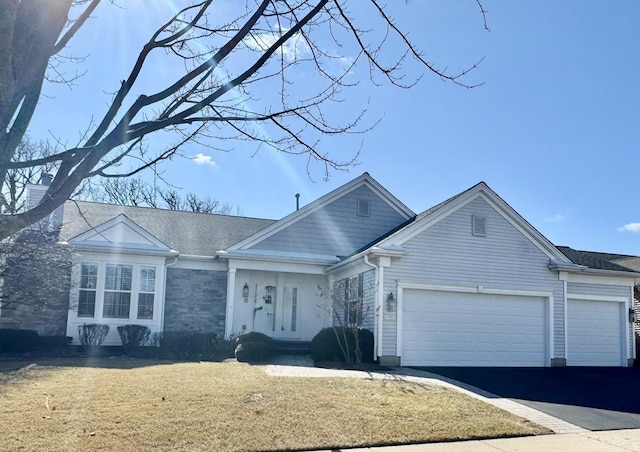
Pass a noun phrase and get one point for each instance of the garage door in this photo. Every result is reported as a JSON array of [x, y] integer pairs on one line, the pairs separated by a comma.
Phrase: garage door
[[594, 333], [468, 329]]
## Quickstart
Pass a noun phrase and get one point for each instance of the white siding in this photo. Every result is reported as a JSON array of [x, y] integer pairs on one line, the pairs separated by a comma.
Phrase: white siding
[[448, 254], [337, 229]]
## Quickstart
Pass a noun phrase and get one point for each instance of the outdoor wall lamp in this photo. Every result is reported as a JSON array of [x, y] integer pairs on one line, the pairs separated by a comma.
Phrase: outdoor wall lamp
[[245, 291], [632, 315], [391, 302]]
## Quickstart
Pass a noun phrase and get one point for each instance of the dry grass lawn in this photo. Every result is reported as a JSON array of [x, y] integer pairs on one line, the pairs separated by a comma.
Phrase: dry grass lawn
[[129, 404]]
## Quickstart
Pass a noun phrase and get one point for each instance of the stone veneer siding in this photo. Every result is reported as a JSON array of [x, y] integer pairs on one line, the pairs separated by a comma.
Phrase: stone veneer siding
[[195, 300], [35, 292]]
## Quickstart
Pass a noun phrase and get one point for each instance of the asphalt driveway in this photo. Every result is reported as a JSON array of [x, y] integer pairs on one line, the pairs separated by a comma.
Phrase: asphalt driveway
[[594, 398]]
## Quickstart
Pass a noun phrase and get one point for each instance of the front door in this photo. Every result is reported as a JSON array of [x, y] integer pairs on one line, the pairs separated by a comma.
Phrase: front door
[[286, 315], [276, 305]]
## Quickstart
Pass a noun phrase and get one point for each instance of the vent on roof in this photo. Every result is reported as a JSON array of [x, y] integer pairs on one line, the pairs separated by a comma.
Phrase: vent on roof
[[478, 225], [363, 208]]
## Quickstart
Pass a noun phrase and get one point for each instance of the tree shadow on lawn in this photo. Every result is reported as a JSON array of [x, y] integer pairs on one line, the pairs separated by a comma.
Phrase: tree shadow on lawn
[[19, 370]]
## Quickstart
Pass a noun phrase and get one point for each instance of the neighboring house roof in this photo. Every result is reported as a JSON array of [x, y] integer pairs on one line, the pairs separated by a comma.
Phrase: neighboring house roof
[[188, 233], [602, 261]]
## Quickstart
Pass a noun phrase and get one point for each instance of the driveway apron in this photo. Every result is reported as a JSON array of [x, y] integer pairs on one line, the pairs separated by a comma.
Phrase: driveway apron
[[593, 398]]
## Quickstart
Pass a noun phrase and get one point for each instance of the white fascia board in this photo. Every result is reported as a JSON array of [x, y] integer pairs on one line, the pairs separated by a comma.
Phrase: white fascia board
[[364, 179], [276, 256], [605, 277], [115, 249], [376, 251]]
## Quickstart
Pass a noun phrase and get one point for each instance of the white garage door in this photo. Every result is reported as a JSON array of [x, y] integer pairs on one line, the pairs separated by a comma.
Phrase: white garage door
[[594, 333], [468, 329]]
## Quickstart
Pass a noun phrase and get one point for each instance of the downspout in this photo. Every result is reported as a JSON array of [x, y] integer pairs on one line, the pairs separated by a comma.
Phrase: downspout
[[164, 295], [377, 326]]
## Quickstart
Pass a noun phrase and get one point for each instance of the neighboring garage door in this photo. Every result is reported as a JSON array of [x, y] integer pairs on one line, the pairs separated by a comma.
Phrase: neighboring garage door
[[469, 329], [594, 333]]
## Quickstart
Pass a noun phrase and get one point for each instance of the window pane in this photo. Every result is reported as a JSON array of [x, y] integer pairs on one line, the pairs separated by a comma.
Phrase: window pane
[[118, 277], [145, 306], [88, 276], [147, 279], [116, 305], [86, 303]]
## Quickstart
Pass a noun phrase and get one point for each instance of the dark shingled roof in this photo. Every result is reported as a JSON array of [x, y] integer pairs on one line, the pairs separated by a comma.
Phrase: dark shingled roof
[[602, 261], [192, 233]]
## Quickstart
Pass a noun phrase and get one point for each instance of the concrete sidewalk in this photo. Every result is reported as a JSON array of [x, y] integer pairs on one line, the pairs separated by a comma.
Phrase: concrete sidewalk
[[607, 441]]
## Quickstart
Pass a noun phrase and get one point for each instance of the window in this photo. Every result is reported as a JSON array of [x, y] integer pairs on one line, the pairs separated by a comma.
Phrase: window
[[117, 291], [146, 292], [87, 293], [353, 301]]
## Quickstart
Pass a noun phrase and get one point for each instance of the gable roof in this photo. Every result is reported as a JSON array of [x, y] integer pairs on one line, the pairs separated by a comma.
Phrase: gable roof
[[188, 233], [440, 211], [120, 233], [363, 180]]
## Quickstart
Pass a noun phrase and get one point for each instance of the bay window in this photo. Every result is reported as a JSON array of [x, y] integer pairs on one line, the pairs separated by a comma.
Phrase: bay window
[[116, 291]]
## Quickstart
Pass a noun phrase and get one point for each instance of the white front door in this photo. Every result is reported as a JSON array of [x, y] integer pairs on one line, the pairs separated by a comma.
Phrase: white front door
[[274, 305]]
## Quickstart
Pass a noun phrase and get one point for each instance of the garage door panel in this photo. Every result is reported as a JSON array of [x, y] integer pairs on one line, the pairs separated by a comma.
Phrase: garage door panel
[[462, 329], [594, 333]]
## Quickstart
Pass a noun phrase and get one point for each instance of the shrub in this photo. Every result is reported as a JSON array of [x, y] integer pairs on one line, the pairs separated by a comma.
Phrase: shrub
[[193, 345], [254, 351], [92, 335], [18, 341], [133, 337], [253, 336], [53, 343], [325, 345]]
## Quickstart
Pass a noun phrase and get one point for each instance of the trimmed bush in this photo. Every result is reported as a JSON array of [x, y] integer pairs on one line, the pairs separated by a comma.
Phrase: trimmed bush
[[325, 346], [18, 341], [193, 345], [254, 351], [253, 336], [53, 343], [92, 335], [133, 337]]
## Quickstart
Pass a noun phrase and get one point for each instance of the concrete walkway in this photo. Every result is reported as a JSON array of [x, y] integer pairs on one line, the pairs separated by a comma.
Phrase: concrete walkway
[[569, 437]]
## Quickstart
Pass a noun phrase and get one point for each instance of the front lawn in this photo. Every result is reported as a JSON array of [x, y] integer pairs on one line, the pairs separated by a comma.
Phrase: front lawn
[[126, 404]]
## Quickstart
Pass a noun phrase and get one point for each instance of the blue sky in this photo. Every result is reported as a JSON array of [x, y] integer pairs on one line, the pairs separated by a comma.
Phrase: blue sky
[[554, 129]]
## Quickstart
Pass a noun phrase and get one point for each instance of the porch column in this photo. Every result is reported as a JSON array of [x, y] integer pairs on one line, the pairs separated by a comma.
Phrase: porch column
[[231, 291]]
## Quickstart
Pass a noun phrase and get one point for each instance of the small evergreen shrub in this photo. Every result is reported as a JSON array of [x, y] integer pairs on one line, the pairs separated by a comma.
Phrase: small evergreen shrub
[[192, 345], [253, 336], [254, 351], [325, 345], [92, 335], [18, 341], [53, 343], [133, 337]]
